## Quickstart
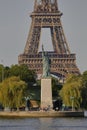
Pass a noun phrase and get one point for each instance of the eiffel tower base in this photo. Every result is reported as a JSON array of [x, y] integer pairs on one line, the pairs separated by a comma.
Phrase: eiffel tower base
[[46, 93]]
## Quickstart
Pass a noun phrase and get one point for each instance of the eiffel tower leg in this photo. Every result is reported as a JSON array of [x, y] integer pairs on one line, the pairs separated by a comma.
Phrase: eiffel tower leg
[[53, 40], [60, 40], [32, 44]]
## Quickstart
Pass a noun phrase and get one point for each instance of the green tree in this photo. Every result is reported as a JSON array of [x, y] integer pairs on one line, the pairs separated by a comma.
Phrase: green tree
[[72, 89], [12, 92], [84, 78], [24, 73], [84, 90], [1, 72], [56, 87], [6, 72]]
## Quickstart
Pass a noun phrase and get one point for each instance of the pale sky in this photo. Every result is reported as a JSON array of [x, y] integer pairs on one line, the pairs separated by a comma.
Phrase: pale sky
[[15, 24]]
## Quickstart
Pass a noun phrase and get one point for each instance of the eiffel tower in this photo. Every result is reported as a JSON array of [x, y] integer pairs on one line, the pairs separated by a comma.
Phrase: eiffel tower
[[47, 15]]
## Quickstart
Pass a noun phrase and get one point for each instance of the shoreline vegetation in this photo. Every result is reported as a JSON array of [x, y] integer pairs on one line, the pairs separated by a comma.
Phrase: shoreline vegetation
[[20, 88]]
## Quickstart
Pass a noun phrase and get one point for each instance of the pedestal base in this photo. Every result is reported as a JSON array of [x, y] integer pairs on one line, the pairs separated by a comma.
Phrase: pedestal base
[[46, 93]]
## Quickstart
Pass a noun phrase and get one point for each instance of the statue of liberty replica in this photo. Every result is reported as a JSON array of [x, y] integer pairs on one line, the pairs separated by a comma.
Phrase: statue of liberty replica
[[46, 85], [46, 64]]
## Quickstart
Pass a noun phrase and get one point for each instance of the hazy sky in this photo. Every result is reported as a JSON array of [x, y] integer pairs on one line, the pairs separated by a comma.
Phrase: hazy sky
[[15, 23]]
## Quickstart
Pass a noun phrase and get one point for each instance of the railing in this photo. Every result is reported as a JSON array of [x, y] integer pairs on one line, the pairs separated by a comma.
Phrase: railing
[[50, 54]]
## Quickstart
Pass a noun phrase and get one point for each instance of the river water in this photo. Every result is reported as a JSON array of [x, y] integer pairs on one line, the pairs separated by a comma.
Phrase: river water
[[44, 124]]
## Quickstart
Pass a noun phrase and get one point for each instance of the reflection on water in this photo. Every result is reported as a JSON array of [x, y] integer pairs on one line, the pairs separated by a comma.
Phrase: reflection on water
[[64, 124], [44, 124]]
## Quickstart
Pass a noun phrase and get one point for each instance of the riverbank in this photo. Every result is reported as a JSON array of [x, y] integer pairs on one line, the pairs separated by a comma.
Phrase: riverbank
[[38, 114]]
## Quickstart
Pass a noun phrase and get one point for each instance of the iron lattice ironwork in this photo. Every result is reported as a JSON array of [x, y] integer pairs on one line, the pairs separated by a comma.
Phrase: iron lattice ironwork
[[47, 15]]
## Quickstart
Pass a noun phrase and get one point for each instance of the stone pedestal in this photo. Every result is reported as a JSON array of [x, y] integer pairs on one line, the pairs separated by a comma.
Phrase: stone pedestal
[[46, 93]]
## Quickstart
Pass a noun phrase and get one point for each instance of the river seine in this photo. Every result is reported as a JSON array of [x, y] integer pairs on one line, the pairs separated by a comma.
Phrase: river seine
[[44, 124]]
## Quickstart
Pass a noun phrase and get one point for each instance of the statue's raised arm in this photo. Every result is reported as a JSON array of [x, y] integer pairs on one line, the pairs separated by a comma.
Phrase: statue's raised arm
[[42, 51]]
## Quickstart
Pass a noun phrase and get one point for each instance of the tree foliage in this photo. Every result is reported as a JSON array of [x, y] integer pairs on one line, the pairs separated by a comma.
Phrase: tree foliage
[[1, 72], [72, 88], [56, 87], [22, 71], [84, 79], [25, 74], [84, 90], [75, 86], [12, 92]]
